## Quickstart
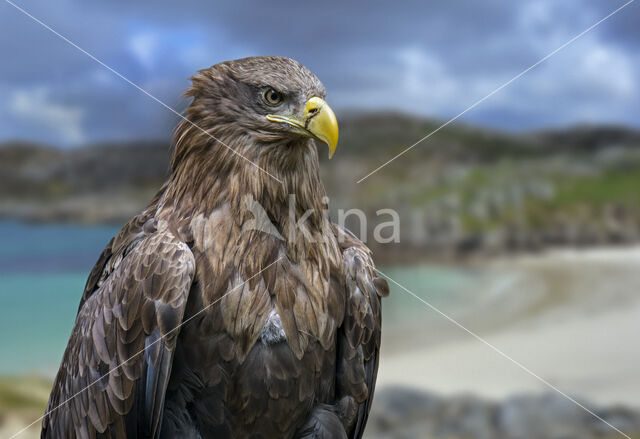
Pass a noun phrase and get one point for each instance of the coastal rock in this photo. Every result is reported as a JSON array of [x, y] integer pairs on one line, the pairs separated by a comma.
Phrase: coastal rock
[[400, 413]]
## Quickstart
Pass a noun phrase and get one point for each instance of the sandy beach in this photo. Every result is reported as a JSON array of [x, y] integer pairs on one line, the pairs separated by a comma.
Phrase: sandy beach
[[570, 317]]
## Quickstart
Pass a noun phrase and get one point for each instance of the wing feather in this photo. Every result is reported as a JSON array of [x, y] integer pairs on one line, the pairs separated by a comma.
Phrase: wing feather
[[359, 336], [125, 330]]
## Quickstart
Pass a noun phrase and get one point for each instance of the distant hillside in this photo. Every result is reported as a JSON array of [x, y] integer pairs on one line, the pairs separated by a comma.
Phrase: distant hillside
[[28, 170], [462, 191]]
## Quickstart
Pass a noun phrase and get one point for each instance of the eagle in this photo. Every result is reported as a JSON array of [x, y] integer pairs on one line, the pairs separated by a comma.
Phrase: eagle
[[206, 317]]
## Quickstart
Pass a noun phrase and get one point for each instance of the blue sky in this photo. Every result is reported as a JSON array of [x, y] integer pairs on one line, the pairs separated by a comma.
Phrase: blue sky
[[424, 57]]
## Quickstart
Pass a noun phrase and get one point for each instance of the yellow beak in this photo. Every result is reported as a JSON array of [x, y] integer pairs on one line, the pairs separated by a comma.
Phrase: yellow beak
[[317, 121]]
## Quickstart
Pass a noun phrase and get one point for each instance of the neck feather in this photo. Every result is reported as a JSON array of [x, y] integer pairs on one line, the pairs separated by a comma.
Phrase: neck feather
[[208, 173]]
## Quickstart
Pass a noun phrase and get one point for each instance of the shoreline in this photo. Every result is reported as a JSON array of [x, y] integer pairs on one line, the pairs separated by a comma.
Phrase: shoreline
[[578, 332]]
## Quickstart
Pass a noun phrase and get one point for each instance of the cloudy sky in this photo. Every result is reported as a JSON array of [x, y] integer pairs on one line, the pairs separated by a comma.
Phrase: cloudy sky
[[425, 57]]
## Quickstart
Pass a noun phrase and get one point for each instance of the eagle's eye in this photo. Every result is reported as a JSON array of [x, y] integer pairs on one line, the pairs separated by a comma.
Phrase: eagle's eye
[[271, 96]]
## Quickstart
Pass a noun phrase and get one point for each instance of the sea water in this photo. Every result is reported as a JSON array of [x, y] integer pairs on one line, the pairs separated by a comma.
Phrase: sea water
[[43, 269]]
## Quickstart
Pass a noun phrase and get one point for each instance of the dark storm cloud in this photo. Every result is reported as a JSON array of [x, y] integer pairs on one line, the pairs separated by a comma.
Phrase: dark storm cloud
[[432, 58]]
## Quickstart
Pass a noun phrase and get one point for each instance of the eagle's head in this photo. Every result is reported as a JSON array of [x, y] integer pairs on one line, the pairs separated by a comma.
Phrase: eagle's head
[[250, 129], [258, 106]]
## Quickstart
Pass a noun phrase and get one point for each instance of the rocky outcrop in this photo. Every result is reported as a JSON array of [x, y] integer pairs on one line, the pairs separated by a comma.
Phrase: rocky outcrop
[[400, 413]]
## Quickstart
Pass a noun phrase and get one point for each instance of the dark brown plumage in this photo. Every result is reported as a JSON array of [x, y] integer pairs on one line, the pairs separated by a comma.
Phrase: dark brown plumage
[[287, 346]]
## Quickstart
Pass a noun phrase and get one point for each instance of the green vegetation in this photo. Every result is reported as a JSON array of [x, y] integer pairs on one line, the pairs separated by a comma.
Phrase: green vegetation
[[600, 190], [24, 394]]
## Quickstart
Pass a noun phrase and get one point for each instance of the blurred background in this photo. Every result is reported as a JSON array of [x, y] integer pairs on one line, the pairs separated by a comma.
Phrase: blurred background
[[521, 221]]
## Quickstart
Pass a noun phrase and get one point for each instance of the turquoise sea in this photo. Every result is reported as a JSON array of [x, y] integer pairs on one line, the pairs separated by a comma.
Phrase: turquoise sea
[[43, 269]]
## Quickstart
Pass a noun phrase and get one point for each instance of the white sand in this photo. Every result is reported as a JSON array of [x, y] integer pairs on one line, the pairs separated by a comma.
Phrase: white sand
[[587, 343]]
